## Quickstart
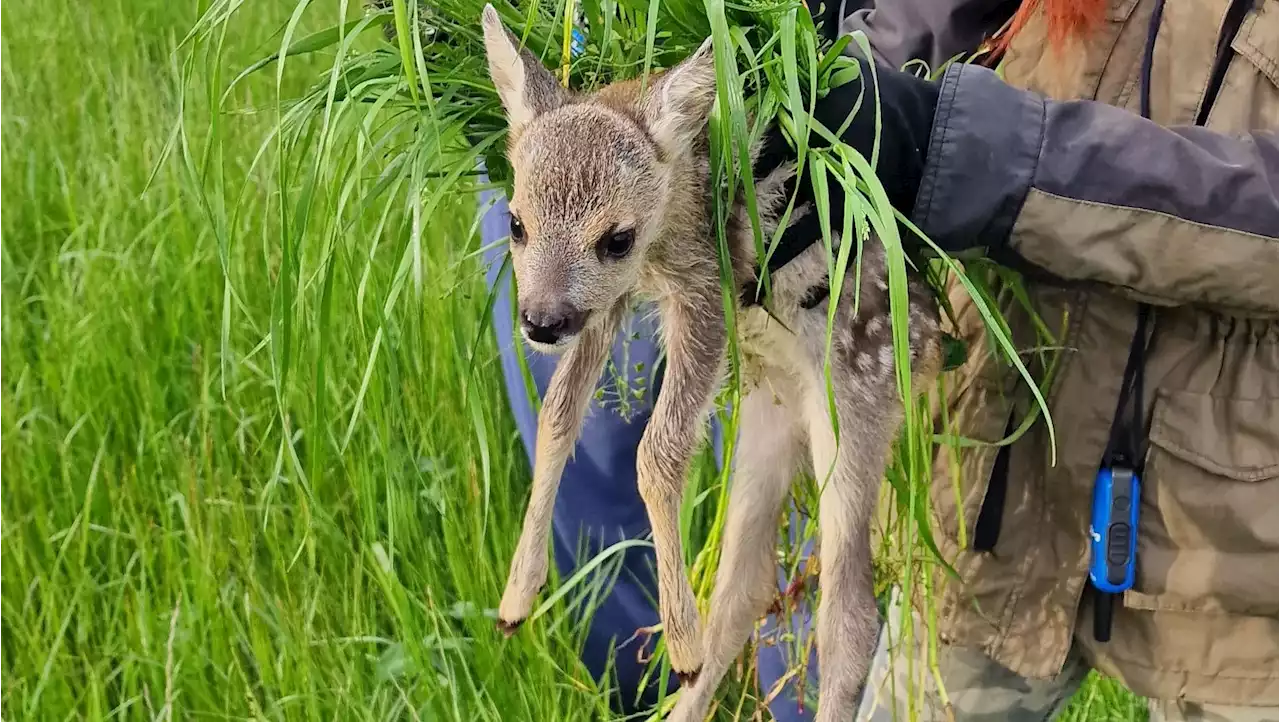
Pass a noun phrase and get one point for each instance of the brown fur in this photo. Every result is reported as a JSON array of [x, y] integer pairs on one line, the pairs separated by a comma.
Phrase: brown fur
[[585, 164]]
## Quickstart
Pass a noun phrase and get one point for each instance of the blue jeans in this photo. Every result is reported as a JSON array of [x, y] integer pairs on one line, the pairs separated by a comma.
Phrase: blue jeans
[[599, 504]]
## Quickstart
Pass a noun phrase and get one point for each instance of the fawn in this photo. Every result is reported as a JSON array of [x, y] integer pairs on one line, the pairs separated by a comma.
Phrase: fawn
[[612, 202]]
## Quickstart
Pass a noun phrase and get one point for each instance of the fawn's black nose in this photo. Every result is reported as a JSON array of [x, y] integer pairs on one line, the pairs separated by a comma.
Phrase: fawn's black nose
[[550, 325]]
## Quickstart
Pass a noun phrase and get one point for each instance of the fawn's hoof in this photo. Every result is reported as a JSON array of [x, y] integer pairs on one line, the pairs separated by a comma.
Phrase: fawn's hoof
[[508, 628], [687, 679]]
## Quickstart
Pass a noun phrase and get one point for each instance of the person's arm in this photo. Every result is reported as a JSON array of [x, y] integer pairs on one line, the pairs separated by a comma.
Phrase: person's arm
[[1090, 192], [933, 31]]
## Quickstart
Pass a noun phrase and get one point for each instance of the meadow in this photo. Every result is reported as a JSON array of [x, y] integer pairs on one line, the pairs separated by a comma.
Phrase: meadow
[[210, 512]]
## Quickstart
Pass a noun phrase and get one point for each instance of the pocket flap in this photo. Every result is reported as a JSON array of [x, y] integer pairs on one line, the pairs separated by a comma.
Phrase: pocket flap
[[1259, 39], [1233, 438]]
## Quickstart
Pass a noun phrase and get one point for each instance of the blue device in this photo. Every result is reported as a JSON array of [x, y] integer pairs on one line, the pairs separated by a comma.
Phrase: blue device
[[1113, 541]]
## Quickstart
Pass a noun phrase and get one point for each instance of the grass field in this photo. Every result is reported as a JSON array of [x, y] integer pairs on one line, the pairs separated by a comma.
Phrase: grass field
[[165, 554]]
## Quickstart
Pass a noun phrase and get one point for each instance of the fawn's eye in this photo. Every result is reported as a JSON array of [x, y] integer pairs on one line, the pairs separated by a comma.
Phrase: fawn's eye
[[616, 244], [517, 230]]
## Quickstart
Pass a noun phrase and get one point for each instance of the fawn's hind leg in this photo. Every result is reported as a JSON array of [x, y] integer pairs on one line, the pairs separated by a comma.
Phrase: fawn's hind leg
[[848, 475], [767, 456]]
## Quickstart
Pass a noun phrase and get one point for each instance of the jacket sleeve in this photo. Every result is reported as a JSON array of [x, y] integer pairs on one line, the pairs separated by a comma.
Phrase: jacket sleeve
[[933, 31], [1091, 193]]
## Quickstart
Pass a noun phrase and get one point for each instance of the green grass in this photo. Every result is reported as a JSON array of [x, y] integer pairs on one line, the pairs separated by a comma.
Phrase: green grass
[[159, 545], [213, 509]]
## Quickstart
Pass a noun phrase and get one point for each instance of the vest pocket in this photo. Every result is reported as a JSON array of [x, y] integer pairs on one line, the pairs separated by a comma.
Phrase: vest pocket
[[1207, 539]]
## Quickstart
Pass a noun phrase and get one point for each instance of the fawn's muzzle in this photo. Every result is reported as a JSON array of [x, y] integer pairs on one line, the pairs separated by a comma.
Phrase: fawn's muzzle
[[549, 326]]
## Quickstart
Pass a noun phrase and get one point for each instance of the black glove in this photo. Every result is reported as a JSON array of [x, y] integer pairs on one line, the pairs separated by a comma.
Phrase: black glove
[[907, 104]]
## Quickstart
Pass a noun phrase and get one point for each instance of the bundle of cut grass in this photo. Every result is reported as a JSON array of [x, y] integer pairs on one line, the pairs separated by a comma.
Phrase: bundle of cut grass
[[407, 114]]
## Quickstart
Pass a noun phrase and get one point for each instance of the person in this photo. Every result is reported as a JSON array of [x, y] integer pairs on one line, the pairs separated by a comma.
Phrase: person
[[1124, 160]]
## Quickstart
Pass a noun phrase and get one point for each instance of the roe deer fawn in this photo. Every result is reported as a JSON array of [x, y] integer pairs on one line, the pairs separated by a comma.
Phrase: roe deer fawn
[[612, 201]]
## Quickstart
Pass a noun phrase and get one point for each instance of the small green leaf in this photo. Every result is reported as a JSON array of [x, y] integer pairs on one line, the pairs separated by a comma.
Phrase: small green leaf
[[845, 75]]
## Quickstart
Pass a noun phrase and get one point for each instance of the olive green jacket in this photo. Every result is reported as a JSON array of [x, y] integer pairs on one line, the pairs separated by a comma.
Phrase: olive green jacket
[[1102, 209]]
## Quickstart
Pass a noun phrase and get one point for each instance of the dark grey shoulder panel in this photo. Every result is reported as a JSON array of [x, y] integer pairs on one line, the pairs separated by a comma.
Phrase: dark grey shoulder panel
[[1097, 153], [992, 142]]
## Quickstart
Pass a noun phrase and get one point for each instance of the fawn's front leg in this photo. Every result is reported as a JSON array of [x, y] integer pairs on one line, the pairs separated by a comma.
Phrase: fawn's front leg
[[559, 423], [695, 341]]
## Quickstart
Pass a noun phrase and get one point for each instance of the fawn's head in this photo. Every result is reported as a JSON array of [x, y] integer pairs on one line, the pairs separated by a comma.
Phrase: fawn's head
[[593, 177]]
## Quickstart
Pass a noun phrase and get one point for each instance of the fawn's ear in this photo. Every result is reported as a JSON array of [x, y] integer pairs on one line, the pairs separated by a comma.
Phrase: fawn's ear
[[678, 103], [525, 86]]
